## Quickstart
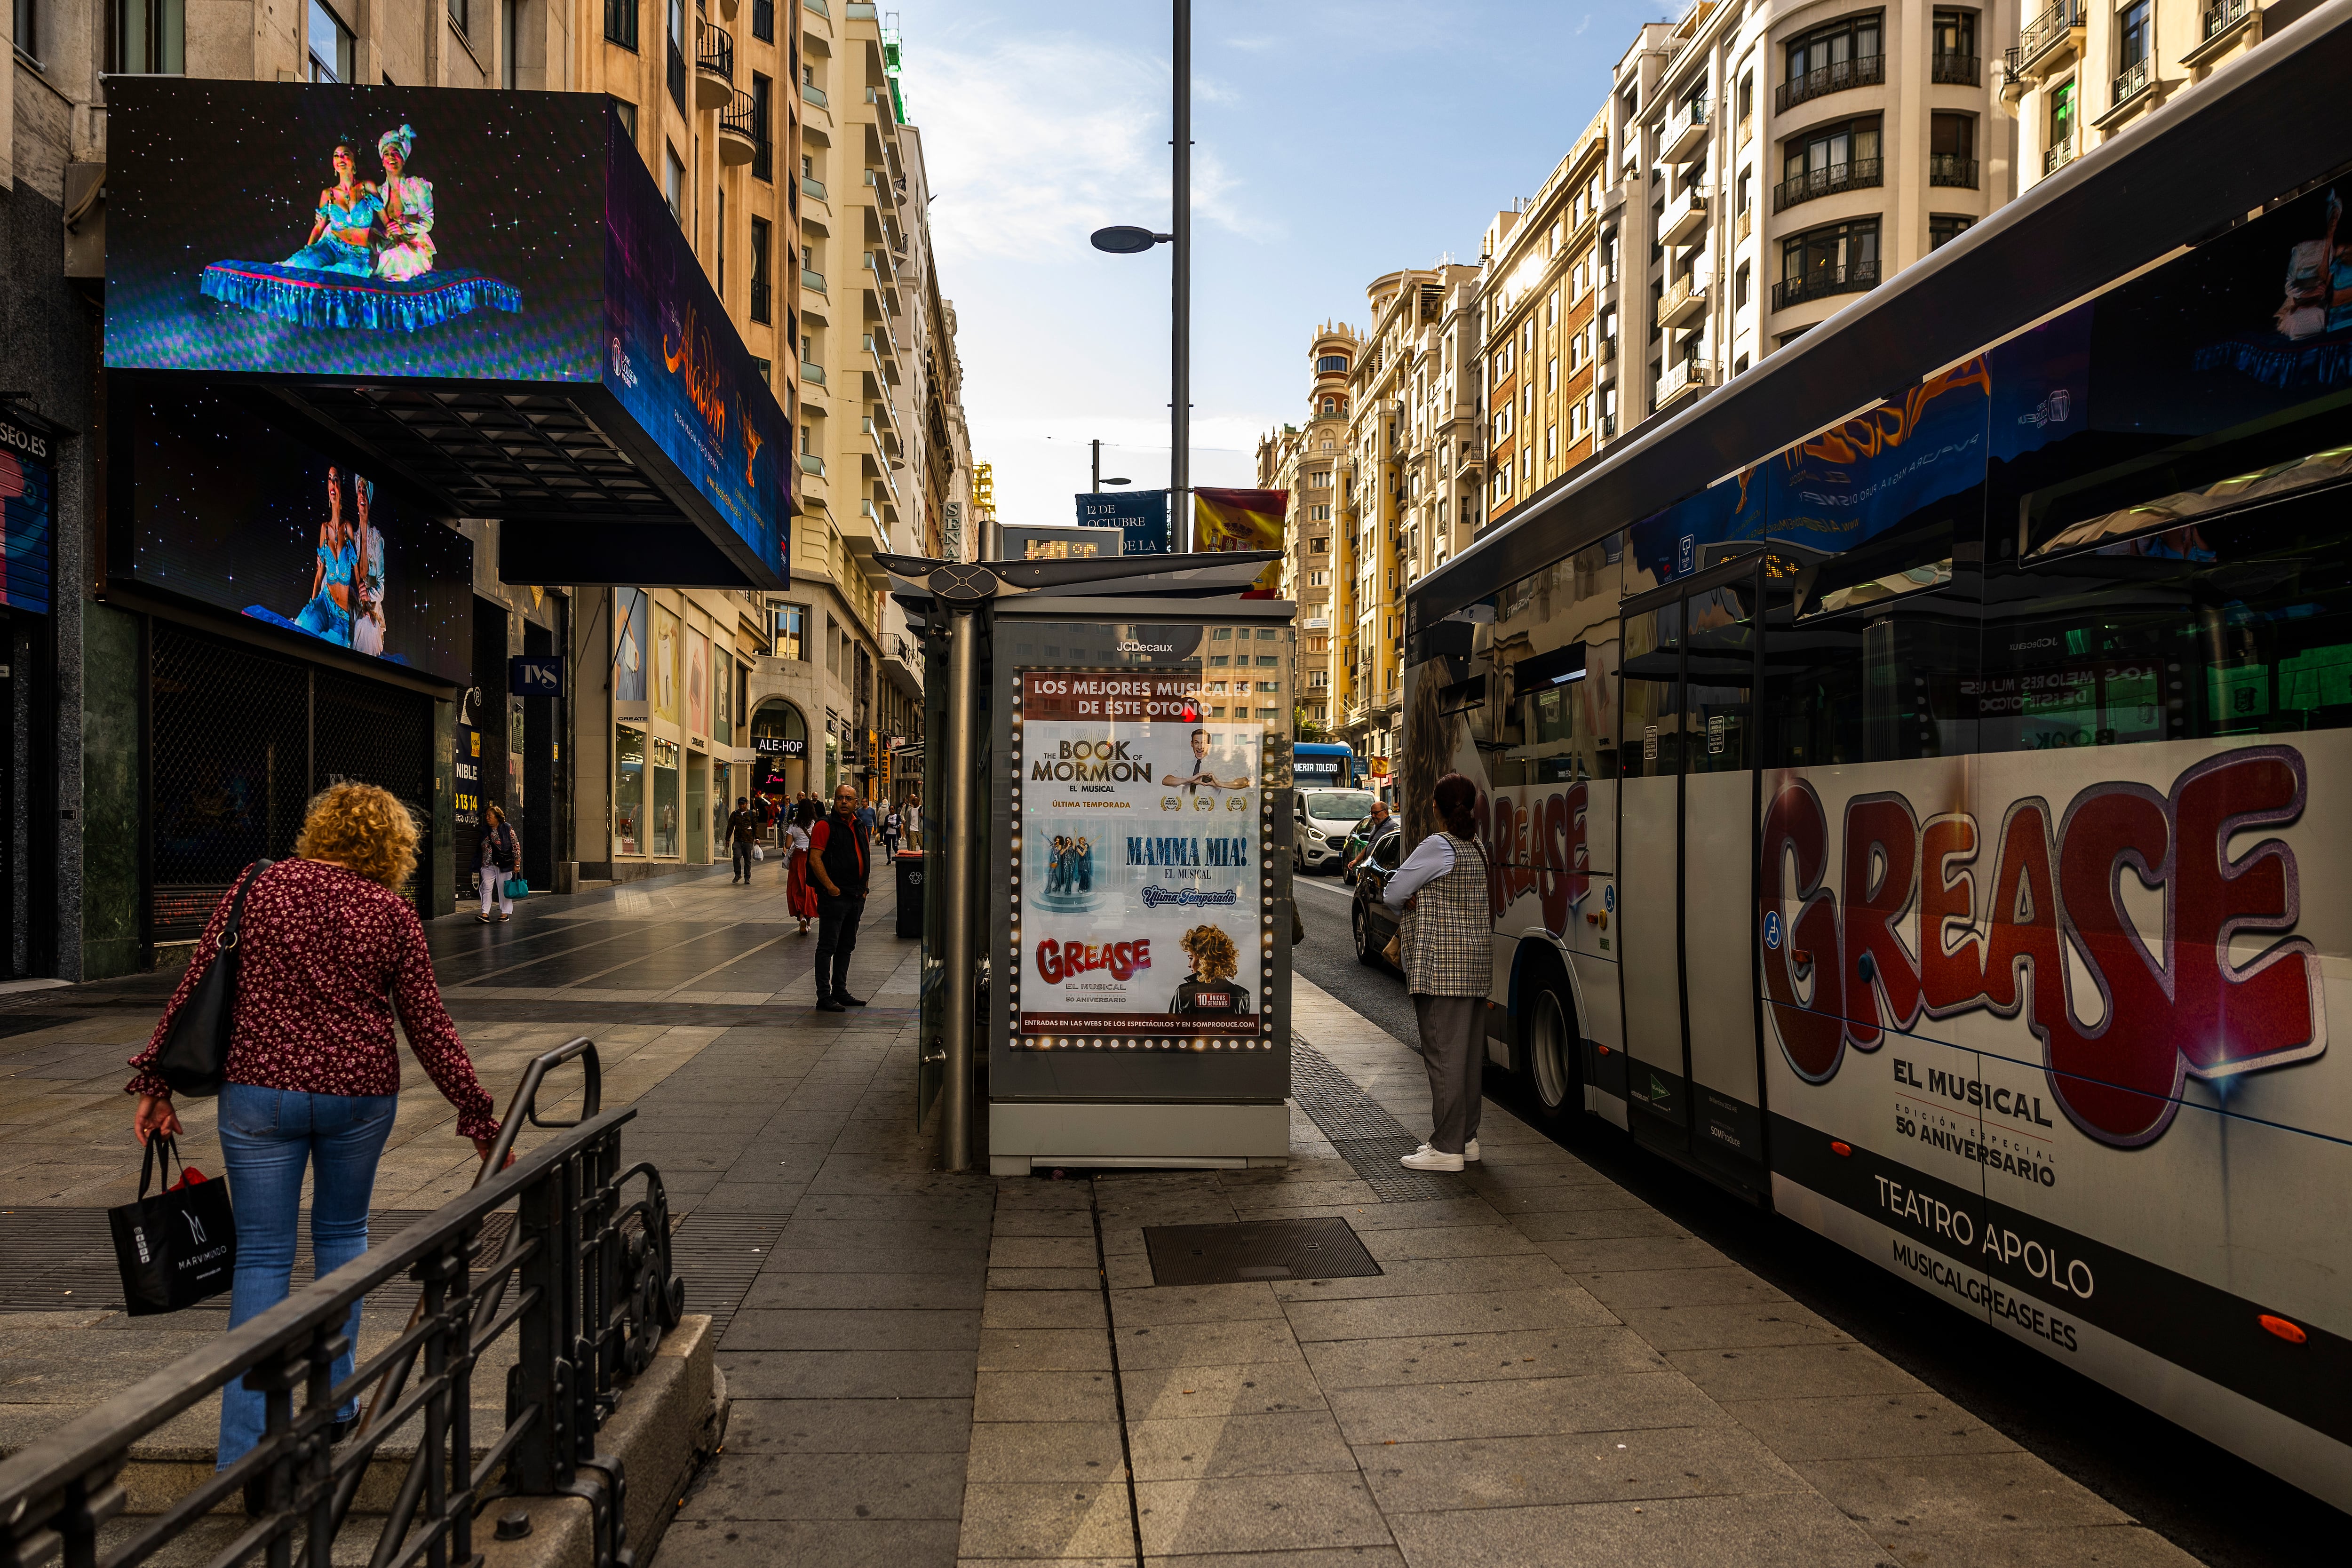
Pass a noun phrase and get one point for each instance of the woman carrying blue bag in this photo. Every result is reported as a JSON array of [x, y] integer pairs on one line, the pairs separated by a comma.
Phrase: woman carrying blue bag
[[502, 865]]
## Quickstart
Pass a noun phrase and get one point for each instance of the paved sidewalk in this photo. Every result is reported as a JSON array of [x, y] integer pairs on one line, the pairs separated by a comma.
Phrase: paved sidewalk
[[934, 1370]]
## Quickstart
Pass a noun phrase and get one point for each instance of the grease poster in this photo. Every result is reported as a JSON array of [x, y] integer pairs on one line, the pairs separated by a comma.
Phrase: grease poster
[[1141, 835]]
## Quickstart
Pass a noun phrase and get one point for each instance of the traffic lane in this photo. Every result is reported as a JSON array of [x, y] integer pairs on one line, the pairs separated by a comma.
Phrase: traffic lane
[[1328, 957]]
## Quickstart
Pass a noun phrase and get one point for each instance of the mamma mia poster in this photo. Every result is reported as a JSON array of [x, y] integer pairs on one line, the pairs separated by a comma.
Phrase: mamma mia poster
[[1142, 842]]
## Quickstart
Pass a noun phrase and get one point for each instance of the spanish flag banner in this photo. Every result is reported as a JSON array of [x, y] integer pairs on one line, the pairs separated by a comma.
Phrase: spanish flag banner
[[1242, 520]]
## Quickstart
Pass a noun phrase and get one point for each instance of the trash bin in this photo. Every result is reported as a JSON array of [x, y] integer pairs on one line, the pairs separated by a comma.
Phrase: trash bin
[[910, 892]]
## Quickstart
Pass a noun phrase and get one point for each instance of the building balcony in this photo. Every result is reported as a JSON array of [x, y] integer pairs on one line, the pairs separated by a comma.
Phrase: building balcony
[[1684, 303], [1685, 132], [1863, 70], [714, 67], [1945, 169], [2220, 27], [812, 280], [1820, 282], [1746, 222], [811, 93], [2039, 41], [1686, 217], [738, 130], [1609, 427], [1955, 70], [2057, 157], [812, 464], [2131, 81], [1683, 380], [1854, 174], [813, 187], [812, 374]]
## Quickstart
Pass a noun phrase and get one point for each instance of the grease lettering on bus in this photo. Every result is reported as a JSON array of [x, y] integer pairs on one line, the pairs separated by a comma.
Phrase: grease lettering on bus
[[2056, 887]]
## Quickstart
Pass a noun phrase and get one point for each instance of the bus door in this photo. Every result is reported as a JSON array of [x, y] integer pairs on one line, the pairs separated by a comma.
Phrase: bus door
[[1686, 895]]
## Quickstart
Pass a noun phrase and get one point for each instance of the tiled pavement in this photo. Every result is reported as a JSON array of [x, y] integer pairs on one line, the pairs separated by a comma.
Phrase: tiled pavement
[[936, 1370]]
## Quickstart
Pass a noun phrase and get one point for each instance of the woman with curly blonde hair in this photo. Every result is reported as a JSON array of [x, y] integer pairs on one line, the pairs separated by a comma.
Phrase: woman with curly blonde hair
[[1210, 991], [330, 953]]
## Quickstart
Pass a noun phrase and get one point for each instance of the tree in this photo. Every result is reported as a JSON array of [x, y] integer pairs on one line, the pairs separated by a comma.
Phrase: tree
[[1305, 729]]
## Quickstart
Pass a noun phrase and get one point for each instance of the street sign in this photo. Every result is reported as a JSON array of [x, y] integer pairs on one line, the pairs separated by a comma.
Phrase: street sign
[[1141, 516], [535, 674]]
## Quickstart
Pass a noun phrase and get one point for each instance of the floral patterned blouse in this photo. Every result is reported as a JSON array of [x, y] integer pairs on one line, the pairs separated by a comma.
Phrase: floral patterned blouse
[[329, 956]]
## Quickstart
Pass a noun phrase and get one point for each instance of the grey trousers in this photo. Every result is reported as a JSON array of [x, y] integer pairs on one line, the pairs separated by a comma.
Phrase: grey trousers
[[1454, 1049]]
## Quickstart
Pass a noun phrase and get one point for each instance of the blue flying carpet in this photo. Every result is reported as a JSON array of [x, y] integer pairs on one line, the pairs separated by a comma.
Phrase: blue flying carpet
[[309, 298]]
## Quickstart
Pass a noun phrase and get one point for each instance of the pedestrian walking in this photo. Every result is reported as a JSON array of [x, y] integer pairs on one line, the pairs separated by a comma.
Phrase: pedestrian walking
[[331, 954], [501, 857], [800, 892], [742, 832], [1447, 940], [912, 817], [866, 821], [838, 860], [890, 824]]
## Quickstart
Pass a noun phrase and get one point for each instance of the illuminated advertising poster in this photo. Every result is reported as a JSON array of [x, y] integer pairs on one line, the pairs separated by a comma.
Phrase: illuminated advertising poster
[[1141, 837], [28, 478]]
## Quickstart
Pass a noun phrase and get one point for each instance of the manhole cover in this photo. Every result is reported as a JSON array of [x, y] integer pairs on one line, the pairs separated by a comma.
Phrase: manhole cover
[[1256, 1250]]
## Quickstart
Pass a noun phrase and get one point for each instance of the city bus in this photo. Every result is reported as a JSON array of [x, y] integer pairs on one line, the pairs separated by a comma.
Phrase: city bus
[[1921, 830], [1318, 764]]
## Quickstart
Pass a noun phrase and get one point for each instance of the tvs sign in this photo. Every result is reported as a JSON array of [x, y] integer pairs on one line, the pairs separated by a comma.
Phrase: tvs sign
[[2001, 909]]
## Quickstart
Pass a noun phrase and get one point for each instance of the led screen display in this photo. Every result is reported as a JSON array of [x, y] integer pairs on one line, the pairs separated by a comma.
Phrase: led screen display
[[234, 510], [354, 231]]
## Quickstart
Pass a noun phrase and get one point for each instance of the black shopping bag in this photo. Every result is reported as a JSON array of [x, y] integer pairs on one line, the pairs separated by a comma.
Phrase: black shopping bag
[[179, 1246]]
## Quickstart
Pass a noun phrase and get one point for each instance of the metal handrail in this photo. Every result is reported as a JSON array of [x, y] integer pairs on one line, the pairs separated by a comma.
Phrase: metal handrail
[[2043, 34], [597, 1292], [714, 50], [1863, 71], [1853, 174]]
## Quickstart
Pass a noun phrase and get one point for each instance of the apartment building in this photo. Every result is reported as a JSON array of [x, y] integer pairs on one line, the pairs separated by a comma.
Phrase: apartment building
[[1411, 402], [2081, 70], [1776, 160], [1545, 348], [842, 697], [1310, 461]]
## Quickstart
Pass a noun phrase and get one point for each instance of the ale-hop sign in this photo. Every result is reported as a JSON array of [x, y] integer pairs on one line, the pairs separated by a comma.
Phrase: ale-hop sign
[[1140, 830]]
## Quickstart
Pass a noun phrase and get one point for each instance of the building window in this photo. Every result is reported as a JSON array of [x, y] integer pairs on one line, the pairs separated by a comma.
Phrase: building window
[[627, 113], [1319, 545], [2062, 123], [674, 185], [1318, 514], [1952, 151], [1551, 373], [720, 245], [764, 20], [759, 246], [1845, 54], [150, 36], [1840, 156], [791, 632], [763, 152], [1836, 258], [628, 790], [1956, 48], [767, 371], [1740, 286], [1945, 228], [2135, 50], [1747, 95], [331, 46], [1332, 364], [458, 14], [676, 50]]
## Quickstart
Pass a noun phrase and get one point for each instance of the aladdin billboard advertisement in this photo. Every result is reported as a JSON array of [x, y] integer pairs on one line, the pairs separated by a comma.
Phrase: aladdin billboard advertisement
[[360, 236]]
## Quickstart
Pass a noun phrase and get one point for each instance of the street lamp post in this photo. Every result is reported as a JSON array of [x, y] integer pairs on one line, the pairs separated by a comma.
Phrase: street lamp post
[[1124, 239], [1095, 469]]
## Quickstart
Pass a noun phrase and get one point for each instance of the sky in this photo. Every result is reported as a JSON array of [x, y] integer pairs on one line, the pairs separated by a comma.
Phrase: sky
[[1332, 143]]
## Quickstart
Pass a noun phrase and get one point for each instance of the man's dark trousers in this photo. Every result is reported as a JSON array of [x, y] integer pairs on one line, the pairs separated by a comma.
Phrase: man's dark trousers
[[836, 938], [743, 858]]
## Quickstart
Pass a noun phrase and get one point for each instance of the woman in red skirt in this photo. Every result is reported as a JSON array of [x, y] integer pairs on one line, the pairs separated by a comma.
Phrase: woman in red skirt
[[799, 896]]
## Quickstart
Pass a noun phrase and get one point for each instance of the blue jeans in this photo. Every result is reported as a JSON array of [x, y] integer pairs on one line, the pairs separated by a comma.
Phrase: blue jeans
[[268, 1136]]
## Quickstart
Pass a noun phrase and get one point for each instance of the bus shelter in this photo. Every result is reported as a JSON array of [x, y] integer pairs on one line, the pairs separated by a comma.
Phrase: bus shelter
[[1108, 921]]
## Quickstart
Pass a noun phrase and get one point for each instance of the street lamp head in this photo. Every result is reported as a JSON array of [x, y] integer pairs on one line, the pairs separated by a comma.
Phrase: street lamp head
[[1125, 239], [1119, 481]]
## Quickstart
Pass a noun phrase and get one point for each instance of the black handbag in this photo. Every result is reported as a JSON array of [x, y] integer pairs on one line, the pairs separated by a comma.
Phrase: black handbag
[[195, 1058], [179, 1246]]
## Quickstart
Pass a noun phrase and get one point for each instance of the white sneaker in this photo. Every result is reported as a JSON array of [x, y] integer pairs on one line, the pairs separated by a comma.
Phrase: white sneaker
[[1470, 1151], [1428, 1159]]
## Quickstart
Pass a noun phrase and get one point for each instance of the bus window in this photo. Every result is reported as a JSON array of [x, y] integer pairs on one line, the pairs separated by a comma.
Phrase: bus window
[[1868, 663], [2236, 626], [1651, 722], [1720, 665]]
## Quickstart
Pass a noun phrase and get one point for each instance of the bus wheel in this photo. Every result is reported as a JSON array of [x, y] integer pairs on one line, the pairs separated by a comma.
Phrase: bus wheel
[[1550, 1051]]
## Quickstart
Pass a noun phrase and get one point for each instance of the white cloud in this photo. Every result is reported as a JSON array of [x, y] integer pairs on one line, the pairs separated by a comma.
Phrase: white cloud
[[1034, 144]]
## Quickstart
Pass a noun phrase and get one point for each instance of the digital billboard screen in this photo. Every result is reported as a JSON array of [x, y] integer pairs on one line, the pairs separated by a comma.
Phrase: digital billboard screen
[[232, 509], [332, 235]]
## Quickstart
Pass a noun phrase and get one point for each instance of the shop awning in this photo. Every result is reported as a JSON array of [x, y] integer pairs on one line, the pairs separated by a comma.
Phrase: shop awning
[[484, 293]]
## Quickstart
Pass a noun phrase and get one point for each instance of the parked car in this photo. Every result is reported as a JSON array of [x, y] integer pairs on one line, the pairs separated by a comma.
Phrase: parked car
[[1370, 920], [1321, 822]]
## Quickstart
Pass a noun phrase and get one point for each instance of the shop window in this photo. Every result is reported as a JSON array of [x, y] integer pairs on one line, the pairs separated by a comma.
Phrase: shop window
[[628, 790], [662, 810]]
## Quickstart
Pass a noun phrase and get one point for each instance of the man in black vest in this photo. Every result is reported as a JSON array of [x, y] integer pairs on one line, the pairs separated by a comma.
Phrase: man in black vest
[[838, 860]]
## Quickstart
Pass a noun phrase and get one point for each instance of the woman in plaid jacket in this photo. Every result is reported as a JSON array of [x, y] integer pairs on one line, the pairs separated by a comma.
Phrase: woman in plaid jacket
[[1448, 943]]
